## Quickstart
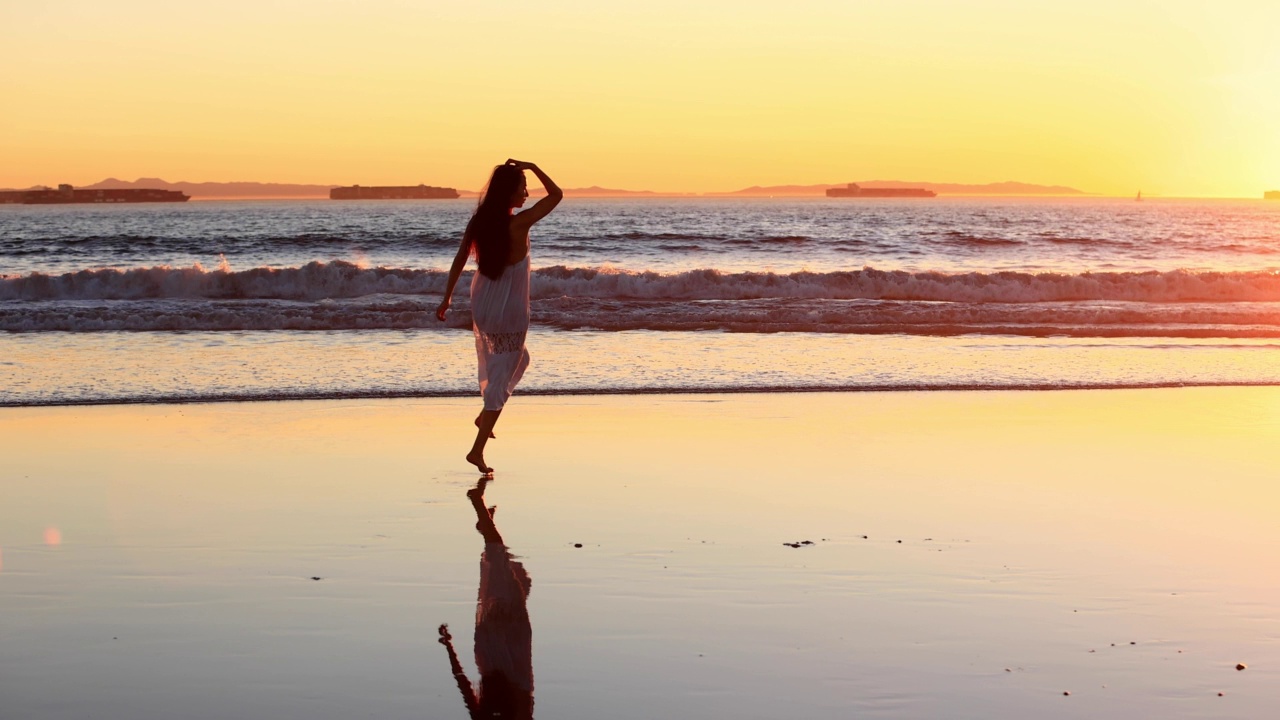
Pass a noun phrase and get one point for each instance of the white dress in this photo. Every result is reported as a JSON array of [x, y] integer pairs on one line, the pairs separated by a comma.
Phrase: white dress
[[500, 318], [504, 636]]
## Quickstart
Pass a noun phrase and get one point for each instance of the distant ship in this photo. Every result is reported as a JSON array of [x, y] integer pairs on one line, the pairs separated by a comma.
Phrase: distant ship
[[1271, 195], [393, 192], [65, 194], [860, 192]]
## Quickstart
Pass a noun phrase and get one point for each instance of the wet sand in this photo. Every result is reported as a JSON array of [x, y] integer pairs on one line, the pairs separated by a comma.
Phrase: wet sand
[[973, 555]]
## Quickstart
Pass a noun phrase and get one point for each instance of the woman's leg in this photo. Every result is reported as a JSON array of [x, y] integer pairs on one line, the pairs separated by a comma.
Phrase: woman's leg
[[491, 435], [484, 516], [484, 429]]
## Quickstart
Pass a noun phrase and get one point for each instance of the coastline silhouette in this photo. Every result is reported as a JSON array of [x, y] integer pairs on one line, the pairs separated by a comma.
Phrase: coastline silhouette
[[503, 636], [499, 237]]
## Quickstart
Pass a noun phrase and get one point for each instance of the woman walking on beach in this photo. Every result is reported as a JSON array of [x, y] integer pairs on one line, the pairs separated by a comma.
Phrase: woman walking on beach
[[500, 288]]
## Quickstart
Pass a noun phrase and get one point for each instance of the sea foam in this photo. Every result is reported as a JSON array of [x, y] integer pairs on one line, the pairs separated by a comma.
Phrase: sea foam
[[340, 279]]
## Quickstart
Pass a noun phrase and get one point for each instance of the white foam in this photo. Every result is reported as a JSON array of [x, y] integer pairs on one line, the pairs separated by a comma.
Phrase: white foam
[[340, 279], [769, 315], [313, 281], [869, 283]]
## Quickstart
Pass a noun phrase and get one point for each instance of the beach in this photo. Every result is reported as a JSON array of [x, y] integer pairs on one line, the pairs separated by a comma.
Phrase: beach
[[998, 554], [888, 361]]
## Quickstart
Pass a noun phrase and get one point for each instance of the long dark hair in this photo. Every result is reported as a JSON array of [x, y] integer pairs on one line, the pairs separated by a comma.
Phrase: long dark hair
[[490, 226]]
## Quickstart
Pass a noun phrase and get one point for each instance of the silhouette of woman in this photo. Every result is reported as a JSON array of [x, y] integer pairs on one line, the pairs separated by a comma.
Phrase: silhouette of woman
[[500, 288], [504, 637]]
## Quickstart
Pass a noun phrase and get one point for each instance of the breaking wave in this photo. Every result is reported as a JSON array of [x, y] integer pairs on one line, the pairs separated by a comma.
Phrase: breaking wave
[[340, 279], [770, 315]]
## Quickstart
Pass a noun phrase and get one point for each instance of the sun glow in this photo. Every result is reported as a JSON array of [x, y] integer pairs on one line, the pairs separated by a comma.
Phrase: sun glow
[[1110, 97]]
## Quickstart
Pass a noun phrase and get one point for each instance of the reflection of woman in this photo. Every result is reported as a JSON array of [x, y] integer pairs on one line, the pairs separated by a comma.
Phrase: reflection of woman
[[500, 288], [504, 638]]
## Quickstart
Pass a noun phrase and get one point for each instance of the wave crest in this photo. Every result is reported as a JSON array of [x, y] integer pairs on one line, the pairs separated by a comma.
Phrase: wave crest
[[871, 284], [313, 281], [340, 279]]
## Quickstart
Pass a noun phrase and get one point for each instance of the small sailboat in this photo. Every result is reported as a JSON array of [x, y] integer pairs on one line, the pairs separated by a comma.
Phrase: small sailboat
[[1139, 198]]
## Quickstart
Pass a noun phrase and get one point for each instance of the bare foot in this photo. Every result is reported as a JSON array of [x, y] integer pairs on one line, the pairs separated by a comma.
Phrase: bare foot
[[477, 459], [491, 435]]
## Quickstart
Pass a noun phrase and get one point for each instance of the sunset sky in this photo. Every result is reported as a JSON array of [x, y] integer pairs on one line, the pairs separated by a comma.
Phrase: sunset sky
[[1180, 97]]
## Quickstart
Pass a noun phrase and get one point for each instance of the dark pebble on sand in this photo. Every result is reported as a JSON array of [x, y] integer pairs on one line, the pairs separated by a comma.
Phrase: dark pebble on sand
[[315, 577], [577, 544], [1221, 694], [899, 542], [1066, 692], [1241, 666]]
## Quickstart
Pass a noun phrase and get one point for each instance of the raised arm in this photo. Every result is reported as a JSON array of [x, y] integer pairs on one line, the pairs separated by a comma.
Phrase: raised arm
[[459, 675], [546, 204], [459, 262]]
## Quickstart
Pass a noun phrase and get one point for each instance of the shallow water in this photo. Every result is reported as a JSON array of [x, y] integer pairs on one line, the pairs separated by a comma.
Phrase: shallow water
[[77, 368], [156, 561]]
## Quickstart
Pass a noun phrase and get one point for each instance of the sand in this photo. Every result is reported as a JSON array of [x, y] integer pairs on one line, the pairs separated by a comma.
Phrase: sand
[[974, 555]]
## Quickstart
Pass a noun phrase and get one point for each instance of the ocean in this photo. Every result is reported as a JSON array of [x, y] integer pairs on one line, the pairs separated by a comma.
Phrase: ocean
[[271, 300]]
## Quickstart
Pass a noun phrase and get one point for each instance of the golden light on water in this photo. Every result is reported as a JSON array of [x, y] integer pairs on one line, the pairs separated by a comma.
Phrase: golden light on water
[[52, 536]]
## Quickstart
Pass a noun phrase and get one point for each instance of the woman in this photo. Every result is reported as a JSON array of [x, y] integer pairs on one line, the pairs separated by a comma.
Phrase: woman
[[500, 288], [504, 636]]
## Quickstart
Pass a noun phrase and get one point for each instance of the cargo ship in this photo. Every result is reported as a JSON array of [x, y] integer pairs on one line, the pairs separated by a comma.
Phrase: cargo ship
[[65, 194], [1271, 195], [393, 192], [853, 190]]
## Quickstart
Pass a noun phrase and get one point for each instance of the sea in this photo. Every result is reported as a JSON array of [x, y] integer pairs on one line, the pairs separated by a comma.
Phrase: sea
[[310, 299]]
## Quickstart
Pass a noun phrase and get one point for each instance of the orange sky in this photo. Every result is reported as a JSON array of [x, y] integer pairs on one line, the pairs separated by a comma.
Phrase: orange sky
[[1171, 97]]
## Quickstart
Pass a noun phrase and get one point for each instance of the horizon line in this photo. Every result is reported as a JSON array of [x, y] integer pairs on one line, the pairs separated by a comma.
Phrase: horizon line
[[603, 192]]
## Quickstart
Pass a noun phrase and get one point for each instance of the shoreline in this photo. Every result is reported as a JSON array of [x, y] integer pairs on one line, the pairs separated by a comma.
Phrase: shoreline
[[637, 392]]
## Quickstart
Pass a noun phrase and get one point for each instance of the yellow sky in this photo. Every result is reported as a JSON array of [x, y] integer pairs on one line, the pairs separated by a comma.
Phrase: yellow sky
[[1180, 97]]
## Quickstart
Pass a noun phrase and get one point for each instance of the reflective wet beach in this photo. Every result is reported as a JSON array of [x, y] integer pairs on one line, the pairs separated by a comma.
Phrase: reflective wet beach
[[159, 561]]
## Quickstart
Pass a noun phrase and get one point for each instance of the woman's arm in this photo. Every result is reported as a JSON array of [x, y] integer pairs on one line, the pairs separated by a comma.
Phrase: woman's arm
[[546, 204], [459, 262], [459, 675]]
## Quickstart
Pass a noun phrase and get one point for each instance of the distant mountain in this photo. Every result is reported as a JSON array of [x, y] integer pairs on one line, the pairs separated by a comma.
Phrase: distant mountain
[[220, 190], [597, 191], [281, 190], [284, 190], [1000, 188]]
